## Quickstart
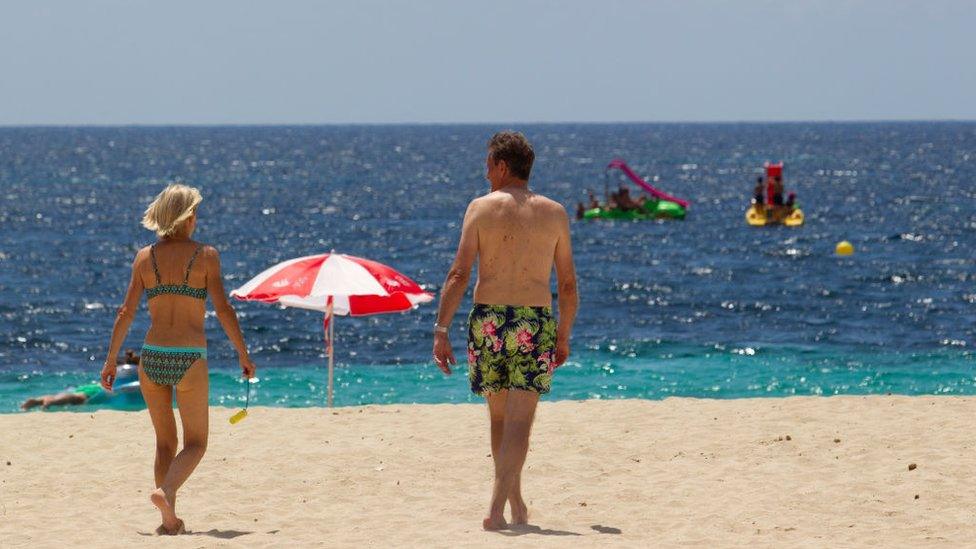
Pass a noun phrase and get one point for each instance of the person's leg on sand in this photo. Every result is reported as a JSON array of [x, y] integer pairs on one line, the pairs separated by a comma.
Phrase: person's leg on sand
[[519, 413], [30, 403], [520, 511], [159, 401], [192, 399], [497, 403]]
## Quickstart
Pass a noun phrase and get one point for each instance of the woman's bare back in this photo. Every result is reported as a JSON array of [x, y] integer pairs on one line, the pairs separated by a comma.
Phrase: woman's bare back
[[175, 320]]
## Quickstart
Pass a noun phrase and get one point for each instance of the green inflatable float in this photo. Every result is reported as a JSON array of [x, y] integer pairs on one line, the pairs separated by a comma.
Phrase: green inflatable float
[[653, 209], [660, 205]]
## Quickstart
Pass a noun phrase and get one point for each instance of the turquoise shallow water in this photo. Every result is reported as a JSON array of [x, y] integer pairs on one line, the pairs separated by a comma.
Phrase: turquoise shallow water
[[650, 371]]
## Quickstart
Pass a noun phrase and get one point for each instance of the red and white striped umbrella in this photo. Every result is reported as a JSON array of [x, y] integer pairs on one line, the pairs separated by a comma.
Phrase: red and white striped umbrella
[[357, 286], [334, 284]]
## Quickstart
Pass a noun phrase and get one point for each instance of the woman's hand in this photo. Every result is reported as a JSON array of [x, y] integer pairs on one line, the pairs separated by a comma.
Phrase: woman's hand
[[108, 375], [247, 367]]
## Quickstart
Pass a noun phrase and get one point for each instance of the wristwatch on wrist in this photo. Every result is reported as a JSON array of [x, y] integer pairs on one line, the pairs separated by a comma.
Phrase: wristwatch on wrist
[[438, 329]]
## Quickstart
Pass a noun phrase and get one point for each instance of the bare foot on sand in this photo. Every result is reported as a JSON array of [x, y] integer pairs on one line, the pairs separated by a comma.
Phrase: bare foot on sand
[[520, 512], [171, 524], [492, 524], [162, 531]]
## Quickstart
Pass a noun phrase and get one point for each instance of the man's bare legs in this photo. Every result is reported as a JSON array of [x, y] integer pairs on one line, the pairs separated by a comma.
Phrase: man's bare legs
[[171, 472], [497, 403], [519, 411]]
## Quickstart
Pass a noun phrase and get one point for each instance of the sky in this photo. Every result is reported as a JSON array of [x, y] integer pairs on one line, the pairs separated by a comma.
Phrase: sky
[[70, 62]]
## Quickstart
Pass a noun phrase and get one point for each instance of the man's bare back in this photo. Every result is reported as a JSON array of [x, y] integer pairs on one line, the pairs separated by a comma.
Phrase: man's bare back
[[517, 233]]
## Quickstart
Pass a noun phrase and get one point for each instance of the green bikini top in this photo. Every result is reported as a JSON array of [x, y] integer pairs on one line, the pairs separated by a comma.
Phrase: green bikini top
[[175, 289]]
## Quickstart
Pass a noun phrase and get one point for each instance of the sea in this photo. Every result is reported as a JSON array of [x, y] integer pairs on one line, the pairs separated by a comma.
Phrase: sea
[[704, 307]]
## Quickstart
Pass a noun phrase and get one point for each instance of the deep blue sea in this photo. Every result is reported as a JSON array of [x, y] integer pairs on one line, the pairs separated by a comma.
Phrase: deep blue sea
[[705, 307]]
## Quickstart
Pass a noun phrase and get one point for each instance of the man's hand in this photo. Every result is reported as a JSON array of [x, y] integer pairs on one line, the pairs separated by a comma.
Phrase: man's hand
[[443, 354], [562, 351], [108, 375]]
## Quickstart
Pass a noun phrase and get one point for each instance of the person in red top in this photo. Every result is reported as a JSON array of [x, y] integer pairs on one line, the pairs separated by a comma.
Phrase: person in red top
[[777, 191]]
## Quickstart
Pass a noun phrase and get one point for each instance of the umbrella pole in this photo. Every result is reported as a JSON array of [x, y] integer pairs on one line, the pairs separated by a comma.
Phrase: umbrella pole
[[331, 335]]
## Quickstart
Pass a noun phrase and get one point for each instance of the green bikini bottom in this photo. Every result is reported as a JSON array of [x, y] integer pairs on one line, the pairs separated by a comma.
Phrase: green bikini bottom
[[167, 365]]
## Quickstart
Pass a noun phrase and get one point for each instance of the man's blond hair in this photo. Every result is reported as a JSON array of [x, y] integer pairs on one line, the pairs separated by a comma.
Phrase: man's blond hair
[[171, 208]]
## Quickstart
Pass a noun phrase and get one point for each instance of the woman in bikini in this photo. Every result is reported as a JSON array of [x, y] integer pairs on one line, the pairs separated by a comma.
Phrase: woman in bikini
[[176, 274]]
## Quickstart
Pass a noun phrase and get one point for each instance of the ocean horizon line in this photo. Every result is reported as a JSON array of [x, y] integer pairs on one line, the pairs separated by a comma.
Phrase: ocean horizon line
[[427, 124]]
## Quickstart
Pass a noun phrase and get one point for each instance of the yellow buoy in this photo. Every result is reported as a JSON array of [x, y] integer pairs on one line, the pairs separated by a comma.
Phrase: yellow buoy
[[844, 248]]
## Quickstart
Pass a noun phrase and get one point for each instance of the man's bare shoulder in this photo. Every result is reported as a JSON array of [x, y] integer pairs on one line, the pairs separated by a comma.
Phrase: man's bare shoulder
[[492, 199], [550, 206], [500, 201], [477, 206], [480, 201]]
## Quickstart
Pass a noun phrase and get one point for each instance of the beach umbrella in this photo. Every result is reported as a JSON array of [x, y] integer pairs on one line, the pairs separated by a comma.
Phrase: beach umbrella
[[335, 284]]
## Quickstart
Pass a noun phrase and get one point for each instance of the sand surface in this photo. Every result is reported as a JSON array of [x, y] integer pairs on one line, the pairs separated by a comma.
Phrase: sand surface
[[818, 472]]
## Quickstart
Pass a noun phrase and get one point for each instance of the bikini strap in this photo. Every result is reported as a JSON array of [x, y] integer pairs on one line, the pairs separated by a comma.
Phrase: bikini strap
[[186, 279], [152, 253]]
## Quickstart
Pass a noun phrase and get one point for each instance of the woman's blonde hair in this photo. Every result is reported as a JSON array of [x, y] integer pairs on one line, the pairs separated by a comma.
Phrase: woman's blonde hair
[[171, 208]]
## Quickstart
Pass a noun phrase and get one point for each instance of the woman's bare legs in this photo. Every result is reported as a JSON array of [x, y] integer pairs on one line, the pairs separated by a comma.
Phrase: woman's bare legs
[[159, 400], [192, 398]]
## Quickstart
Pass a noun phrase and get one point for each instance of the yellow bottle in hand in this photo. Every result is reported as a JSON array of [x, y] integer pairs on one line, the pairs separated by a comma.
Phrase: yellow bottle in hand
[[247, 400], [238, 416]]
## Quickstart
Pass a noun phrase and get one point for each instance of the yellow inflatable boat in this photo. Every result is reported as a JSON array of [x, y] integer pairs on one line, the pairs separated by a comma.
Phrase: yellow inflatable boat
[[757, 217]]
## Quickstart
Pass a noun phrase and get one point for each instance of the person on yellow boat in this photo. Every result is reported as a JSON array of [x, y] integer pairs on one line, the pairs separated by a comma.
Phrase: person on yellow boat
[[777, 194], [757, 193]]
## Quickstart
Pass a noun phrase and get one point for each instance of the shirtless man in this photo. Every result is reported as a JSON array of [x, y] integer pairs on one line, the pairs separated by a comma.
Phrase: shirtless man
[[514, 343]]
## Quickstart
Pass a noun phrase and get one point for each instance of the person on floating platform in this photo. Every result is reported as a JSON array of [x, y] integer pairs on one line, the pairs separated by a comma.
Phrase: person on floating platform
[[624, 201], [757, 192], [594, 203], [778, 191]]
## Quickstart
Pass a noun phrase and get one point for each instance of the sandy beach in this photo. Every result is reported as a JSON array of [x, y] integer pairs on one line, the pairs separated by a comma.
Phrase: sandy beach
[[776, 472]]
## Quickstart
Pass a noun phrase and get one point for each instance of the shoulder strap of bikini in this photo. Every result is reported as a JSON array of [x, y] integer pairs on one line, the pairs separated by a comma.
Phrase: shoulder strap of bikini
[[152, 253], [186, 279]]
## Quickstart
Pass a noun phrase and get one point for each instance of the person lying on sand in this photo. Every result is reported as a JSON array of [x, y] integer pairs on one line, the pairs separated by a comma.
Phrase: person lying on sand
[[76, 396]]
